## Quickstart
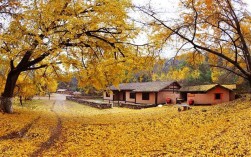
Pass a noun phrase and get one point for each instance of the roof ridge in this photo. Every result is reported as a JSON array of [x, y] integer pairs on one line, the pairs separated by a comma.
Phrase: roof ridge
[[203, 85], [143, 86]]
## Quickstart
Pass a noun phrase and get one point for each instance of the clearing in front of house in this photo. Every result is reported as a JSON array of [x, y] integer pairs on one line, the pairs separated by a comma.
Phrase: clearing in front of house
[[62, 128]]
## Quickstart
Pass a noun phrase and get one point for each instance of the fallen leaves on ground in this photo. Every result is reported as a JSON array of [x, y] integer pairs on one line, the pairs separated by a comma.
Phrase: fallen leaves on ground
[[220, 130]]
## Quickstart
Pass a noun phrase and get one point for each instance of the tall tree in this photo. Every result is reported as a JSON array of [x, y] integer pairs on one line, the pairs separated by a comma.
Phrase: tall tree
[[7, 9], [220, 28], [90, 38]]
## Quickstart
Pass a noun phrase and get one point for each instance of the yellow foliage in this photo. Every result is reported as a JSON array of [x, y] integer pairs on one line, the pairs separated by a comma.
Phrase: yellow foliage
[[159, 35], [208, 2], [114, 71], [192, 58], [216, 73], [154, 77], [208, 27], [180, 74], [85, 38]]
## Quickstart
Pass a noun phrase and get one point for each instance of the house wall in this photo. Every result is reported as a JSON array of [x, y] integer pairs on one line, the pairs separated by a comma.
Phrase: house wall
[[108, 98], [209, 97], [150, 101], [232, 95], [167, 94], [128, 99]]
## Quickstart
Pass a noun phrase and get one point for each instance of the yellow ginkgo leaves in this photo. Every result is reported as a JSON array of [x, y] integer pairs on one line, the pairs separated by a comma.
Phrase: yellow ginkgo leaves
[[220, 130]]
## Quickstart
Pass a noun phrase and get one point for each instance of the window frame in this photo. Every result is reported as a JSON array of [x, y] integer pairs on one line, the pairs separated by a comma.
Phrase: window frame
[[132, 95], [217, 96], [107, 94], [146, 96]]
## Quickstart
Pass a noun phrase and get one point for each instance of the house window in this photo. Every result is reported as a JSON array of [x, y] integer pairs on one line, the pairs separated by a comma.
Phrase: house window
[[132, 95], [145, 96], [217, 96], [107, 94]]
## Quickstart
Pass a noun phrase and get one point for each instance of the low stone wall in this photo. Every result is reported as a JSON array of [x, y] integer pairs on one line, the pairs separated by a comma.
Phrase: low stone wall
[[90, 103], [137, 106], [87, 97], [104, 105]]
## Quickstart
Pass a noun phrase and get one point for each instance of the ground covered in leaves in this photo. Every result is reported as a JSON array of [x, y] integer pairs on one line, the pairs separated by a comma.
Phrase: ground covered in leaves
[[61, 128]]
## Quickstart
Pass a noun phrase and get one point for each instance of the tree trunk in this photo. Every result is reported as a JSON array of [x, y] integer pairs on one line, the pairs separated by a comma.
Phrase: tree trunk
[[249, 81], [6, 104], [7, 95], [21, 100]]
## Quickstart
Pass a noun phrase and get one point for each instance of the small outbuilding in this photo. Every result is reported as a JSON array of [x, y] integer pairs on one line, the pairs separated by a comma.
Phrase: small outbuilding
[[62, 91], [208, 94]]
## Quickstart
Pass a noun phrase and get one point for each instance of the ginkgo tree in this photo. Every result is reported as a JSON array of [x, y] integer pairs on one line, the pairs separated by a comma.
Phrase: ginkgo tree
[[219, 29], [31, 83], [81, 37]]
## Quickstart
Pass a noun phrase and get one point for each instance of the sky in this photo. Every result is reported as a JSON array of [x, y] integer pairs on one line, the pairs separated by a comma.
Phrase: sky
[[168, 6]]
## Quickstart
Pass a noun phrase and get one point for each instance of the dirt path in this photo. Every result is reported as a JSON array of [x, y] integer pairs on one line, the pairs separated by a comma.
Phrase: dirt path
[[21, 133], [56, 131], [54, 96]]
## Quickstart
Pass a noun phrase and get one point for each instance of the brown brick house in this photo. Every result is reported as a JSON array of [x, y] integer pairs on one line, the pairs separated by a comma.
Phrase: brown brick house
[[208, 94], [144, 92]]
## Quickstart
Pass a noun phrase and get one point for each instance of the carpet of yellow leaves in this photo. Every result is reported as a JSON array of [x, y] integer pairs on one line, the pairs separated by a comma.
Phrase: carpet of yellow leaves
[[63, 128]]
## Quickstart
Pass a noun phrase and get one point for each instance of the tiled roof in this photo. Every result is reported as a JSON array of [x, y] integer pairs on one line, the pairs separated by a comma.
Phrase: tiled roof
[[62, 90], [230, 86], [205, 88], [125, 86], [143, 86], [152, 86]]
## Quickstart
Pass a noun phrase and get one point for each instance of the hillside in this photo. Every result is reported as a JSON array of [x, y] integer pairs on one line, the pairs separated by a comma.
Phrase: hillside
[[63, 128]]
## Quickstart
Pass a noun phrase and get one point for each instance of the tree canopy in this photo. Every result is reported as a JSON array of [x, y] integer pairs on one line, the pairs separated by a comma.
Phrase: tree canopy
[[218, 28], [92, 39]]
